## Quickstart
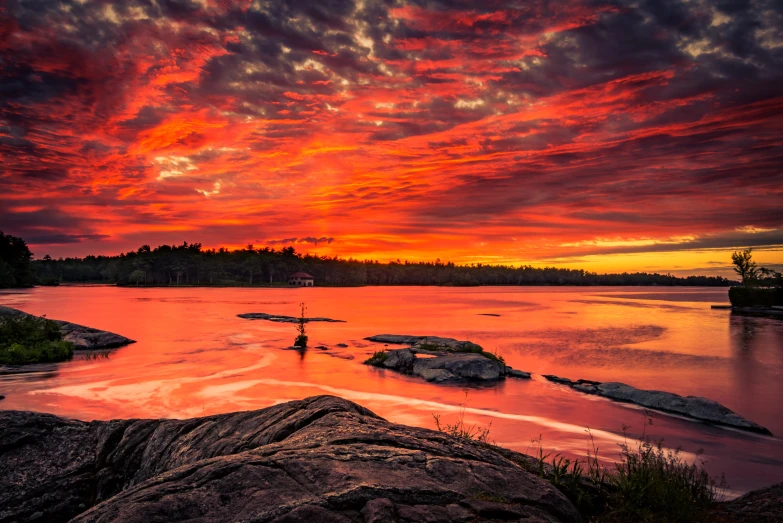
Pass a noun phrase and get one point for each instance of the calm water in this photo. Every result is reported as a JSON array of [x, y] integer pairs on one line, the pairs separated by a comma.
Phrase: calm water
[[195, 357]]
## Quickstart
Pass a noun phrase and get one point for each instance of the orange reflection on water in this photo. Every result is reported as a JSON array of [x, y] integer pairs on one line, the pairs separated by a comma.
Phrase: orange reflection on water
[[195, 357]]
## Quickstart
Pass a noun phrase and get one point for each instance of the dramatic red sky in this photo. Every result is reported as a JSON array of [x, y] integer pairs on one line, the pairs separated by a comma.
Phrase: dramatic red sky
[[608, 135]]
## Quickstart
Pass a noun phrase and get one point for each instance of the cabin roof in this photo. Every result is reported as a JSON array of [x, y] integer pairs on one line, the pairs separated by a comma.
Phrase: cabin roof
[[301, 274]]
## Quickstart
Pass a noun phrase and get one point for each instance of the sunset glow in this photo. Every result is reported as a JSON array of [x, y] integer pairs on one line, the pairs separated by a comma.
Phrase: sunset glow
[[599, 135]]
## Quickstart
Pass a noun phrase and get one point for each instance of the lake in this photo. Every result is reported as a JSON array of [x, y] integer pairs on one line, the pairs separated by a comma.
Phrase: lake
[[195, 357]]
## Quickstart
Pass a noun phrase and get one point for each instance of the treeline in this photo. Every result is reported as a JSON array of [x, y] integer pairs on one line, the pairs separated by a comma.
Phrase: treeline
[[189, 264], [15, 270]]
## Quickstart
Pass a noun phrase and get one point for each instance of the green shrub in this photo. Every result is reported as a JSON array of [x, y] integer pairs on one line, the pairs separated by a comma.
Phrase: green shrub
[[654, 485], [462, 430], [377, 358], [301, 339], [755, 296], [29, 339], [494, 356], [649, 485]]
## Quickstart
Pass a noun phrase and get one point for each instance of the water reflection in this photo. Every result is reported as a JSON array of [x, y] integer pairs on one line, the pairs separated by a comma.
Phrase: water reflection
[[195, 357]]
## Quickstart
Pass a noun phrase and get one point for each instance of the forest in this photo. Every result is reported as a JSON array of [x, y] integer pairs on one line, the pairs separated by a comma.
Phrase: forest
[[191, 265]]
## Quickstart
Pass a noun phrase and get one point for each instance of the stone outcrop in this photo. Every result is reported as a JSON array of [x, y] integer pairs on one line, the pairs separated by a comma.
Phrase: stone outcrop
[[320, 459], [454, 360], [432, 343], [443, 368], [695, 407], [283, 319], [83, 338]]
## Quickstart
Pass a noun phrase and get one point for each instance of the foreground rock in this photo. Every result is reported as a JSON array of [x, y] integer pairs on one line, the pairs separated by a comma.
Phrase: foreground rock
[[759, 506], [282, 319], [695, 407], [454, 360], [322, 459], [83, 338]]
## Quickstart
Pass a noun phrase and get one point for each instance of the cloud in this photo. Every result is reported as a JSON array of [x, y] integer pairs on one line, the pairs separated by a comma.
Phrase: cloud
[[413, 128], [308, 239]]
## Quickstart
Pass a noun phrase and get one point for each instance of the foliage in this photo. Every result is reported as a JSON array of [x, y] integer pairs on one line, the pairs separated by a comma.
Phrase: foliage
[[744, 266], [462, 430], [656, 485], [301, 339], [466, 346], [494, 356], [189, 264], [29, 339], [15, 269], [137, 276], [756, 296], [377, 358], [650, 484]]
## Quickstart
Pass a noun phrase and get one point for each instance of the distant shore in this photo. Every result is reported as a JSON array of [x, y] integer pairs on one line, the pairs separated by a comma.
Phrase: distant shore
[[278, 285]]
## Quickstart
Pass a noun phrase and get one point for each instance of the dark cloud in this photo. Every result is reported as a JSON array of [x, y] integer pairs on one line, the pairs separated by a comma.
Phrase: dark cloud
[[658, 117], [307, 239]]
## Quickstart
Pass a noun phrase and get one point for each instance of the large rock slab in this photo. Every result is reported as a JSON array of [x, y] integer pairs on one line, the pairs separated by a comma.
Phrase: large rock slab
[[695, 407], [83, 338], [320, 459], [283, 319]]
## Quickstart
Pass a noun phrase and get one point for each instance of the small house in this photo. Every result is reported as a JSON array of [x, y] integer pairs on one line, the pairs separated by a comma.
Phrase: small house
[[301, 279]]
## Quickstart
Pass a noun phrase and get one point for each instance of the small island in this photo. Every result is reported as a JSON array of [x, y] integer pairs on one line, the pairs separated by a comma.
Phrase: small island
[[25, 338], [761, 291], [446, 359]]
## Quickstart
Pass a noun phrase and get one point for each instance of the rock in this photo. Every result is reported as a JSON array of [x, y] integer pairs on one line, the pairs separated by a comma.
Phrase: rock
[[694, 407], [489, 314], [283, 319], [83, 338], [397, 339], [759, 506], [458, 366], [517, 373], [455, 360], [450, 366], [401, 360], [343, 345], [322, 459], [427, 343], [2, 397]]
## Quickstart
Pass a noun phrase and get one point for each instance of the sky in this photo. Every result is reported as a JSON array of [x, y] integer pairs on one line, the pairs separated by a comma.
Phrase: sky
[[603, 135]]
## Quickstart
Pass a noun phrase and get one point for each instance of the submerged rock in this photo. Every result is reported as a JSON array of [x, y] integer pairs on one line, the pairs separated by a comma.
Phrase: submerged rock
[[321, 459], [283, 319], [695, 407], [83, 338]]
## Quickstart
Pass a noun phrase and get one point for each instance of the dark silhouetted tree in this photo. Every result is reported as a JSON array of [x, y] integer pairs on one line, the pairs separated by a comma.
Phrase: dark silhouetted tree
[[15, 269]]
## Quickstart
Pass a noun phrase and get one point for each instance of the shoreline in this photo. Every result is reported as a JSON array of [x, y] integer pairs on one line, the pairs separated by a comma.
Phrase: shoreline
[[331, 286], [320, 458]]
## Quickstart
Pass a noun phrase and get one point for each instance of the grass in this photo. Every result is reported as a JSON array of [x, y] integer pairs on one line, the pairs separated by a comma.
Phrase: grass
[[649, 484], [29, 339], [466, 346], [462, 430], [377, 358]]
